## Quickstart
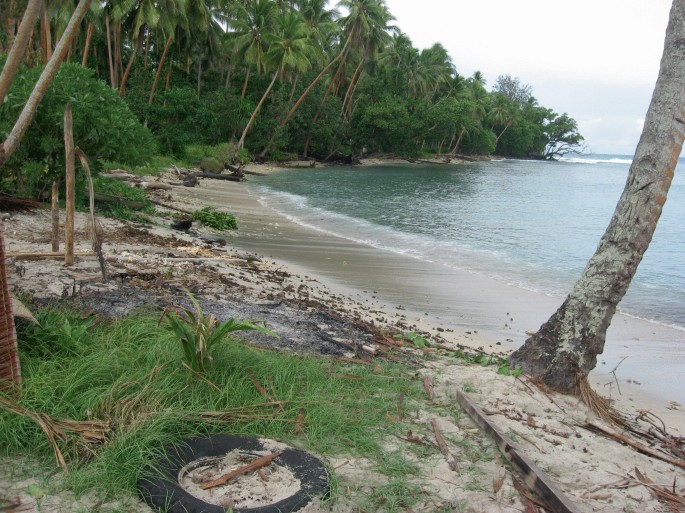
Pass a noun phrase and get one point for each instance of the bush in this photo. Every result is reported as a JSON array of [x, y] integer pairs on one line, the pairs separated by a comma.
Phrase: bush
[[104, 127], [216, 219]]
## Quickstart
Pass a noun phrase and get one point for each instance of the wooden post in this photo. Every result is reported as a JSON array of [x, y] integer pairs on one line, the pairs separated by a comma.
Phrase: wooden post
[[55, 217], [71, 185]]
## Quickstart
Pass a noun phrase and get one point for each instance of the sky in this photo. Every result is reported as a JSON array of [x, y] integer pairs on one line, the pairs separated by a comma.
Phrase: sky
[[596, 60]]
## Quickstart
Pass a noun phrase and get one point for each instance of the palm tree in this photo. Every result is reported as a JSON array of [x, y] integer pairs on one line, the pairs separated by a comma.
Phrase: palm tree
[[288, 48], [564, 350], [253, 22], [501, 113], [143, 16]]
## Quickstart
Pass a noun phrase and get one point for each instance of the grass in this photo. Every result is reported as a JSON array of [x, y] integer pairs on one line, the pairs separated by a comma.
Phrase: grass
[[128, 372]]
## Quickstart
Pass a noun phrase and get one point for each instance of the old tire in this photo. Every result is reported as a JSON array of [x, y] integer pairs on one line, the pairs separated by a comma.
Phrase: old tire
[[159, 486]]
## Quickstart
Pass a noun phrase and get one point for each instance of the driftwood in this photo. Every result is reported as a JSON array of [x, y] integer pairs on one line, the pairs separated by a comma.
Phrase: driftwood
[[154, 186], [428, 387], [594, 425], [170, 207], [108, 198], [251, 467], [533, 477], [217, 176], [442, 445], [57, 254]]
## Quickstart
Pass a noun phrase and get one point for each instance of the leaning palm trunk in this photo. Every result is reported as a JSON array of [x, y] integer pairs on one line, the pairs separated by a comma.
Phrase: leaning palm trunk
[[15, 136], [565, 349], [241, 142], [19, 45], [10, 372]]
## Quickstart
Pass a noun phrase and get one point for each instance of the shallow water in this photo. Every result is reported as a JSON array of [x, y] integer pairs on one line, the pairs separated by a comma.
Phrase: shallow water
[[529, 223]]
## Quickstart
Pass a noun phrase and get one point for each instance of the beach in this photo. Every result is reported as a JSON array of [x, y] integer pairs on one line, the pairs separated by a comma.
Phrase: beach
[[645, 356], [286, 273]]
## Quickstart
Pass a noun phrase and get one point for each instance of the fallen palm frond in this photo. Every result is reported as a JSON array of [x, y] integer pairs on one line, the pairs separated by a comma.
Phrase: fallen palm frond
[[669, 498], [251, 412], [11, 204], [89, 432], [599, 405]]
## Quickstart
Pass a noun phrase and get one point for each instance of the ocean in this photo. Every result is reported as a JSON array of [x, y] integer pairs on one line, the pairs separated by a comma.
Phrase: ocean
[[532, 224]]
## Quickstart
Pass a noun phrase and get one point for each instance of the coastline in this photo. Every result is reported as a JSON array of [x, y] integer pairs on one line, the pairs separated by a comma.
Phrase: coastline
[[475, 310], [304, 276]]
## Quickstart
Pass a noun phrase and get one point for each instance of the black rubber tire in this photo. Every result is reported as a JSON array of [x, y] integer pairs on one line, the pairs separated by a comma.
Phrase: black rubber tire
[[160, 488]]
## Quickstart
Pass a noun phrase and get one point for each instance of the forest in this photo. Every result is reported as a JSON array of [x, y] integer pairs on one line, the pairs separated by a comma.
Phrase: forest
[[268, 79]]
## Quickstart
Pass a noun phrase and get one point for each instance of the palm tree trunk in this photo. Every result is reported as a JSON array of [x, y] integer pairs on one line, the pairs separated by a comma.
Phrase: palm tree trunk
[[86, 48], [10, 370], [509, 123], [167, 45], [45, 36], [18, 48], [352, 82], [456, 146], [14, 138], [199, 78], [343, 53], [167, 83], [127, 72], [564, 351], [241, 142], [247, 77], [112, 81], [147, 47]]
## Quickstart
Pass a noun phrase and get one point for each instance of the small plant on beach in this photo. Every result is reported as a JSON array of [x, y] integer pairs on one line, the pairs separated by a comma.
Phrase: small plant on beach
[[415, 339], [216, 219], [198, 332]]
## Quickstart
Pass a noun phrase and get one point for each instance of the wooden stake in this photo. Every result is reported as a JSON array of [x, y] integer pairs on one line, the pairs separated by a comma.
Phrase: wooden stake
[[71, 186], [55, 217]]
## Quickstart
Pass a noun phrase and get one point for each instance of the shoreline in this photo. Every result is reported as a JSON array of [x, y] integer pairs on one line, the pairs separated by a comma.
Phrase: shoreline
[[302, 296], [470, 309]]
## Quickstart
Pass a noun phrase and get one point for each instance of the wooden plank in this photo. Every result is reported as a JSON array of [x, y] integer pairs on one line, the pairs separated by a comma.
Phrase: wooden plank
[[533, 477], [55, 217]]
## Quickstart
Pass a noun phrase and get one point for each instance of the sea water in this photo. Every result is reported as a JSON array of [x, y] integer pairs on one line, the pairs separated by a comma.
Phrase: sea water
[[529, 223]]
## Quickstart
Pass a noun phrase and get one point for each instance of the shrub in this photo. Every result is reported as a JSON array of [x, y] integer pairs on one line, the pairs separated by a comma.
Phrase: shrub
[[216, 219], [104, 127]]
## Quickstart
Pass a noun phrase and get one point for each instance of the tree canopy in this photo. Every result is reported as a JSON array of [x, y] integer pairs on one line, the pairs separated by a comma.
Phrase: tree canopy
[[293, 77]]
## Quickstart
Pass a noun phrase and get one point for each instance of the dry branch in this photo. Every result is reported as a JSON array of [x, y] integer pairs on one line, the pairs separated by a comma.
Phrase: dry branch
[[251, 467], [634, 443], [442, 445]]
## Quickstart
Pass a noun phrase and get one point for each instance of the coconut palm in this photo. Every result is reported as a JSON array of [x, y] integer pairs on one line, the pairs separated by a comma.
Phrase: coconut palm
[[252, 24], [288, 48]]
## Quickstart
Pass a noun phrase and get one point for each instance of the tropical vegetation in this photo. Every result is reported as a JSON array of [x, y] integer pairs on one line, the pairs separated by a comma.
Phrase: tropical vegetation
[[276, 78]]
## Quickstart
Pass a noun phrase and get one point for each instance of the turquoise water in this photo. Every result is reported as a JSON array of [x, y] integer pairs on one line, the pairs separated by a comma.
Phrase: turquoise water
[[531, 223]]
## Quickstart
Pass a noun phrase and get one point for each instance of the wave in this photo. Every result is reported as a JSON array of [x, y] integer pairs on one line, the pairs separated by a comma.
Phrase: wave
[[598, 159]]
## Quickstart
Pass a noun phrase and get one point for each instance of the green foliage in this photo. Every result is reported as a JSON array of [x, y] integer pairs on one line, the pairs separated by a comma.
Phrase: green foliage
[[199, 333], [415, 339], [216, 219], [123, 371], [104, 127], [179, 118]]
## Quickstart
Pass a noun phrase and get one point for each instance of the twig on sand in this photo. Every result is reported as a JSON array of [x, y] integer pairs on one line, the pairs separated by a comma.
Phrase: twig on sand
[[251, 467]]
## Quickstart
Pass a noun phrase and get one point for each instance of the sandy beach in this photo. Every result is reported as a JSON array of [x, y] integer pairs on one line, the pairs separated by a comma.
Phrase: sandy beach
[[271, 258], [649, 356]]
